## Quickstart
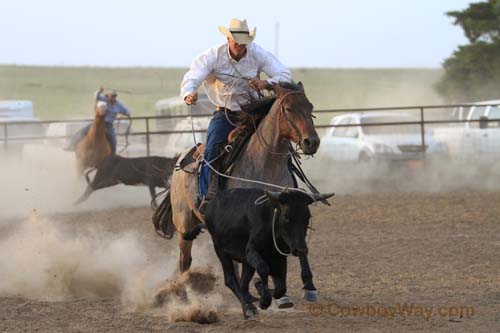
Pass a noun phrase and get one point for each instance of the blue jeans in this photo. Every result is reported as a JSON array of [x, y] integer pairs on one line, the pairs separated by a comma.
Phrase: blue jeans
[[110, 134], [217, 132]]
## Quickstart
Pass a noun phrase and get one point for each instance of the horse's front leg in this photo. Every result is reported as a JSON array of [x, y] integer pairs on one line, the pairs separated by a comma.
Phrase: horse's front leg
[[310, 291]]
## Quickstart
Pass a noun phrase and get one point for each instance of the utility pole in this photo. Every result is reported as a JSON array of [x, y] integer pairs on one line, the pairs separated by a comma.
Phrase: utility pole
[[276, 39]]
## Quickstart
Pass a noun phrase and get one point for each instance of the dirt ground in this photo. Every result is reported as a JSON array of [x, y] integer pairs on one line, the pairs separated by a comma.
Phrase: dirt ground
[[382, 262]]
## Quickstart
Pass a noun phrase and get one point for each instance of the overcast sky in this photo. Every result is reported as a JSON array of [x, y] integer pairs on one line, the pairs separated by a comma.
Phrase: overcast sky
[[312, 33]]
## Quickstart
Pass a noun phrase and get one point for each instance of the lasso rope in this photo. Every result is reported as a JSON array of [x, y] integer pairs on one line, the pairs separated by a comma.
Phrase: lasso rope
[[260, 200], [275, 217]]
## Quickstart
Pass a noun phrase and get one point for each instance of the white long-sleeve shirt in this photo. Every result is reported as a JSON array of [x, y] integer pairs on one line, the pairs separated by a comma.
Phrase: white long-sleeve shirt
[[220, 74]]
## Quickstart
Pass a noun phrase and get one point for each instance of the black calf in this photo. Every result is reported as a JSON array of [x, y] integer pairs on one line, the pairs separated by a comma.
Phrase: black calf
[[243, 231], [153, 171]]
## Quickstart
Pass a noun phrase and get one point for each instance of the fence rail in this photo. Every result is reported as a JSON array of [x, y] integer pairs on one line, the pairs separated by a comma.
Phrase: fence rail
[[421, 109]]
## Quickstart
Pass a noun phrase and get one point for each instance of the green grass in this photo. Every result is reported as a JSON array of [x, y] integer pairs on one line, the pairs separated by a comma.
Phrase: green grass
[[67, 92]]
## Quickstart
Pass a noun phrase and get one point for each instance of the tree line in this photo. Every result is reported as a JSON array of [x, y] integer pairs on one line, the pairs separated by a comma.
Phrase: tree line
[[472, 72]]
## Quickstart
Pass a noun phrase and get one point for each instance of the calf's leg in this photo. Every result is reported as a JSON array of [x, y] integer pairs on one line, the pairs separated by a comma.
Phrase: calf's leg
[[310, 293], [85, 195], [279, 277], [231, 282], [255, 260], [152, 192], [246, 276]]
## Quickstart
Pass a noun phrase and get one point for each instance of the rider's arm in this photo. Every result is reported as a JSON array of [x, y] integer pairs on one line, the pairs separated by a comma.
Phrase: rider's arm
[[122, 109], [200, 68], [99, 97], [276, 71]]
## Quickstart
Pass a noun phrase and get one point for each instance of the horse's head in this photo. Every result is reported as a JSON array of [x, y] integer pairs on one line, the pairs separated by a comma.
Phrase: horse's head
[[100, 109], [295, 116]]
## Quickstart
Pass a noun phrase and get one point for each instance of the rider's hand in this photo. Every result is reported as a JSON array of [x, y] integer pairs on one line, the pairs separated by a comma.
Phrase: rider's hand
[[191, 98], [101, 89], [259, 84]]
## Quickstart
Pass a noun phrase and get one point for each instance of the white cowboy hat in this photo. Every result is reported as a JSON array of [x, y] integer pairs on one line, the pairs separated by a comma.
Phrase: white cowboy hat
[[238, 30]]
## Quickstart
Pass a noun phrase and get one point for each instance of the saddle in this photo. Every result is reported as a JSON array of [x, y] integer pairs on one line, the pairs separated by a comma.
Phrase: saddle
[[190, 160], [229, 153]]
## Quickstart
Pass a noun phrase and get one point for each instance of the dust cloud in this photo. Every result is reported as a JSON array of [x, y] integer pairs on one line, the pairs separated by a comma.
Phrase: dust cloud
[[41, 260], [425, 177], [44, 258], [38, 259], [45, 178]]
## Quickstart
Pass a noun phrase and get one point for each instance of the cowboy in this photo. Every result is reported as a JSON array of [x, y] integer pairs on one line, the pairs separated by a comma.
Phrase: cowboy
[[227, 71], [114, 107]]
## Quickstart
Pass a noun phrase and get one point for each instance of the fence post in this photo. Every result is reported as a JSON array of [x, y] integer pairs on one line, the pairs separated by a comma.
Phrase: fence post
[[5, 137], [147, 137], [422, 131]]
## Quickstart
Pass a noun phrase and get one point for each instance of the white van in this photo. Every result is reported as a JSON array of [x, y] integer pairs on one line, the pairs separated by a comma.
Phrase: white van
[[177, 143], [176, 106], [21, 109]]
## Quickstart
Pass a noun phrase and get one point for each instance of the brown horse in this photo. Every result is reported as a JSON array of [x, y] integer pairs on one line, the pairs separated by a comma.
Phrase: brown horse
[[264, 159], [95, 146]]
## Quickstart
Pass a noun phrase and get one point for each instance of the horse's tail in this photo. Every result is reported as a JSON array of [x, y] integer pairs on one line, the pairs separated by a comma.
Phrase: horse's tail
[[191, 235]]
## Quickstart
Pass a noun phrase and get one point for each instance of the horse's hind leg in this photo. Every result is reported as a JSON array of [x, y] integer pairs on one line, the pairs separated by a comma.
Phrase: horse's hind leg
[[185, 254], [184, 220]]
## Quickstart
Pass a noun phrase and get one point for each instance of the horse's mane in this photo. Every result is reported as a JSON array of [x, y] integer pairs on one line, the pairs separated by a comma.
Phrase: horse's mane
[[255, 108]]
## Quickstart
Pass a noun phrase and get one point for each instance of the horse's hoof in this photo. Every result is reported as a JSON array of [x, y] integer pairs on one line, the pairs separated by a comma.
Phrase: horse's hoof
[[311, 295], [249, 310], [284, 302]]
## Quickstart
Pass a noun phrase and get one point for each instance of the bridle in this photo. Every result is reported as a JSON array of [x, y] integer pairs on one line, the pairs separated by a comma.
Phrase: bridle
[[282, 110]]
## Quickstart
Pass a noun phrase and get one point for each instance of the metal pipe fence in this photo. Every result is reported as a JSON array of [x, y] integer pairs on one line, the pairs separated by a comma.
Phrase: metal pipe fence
[[148, 133]]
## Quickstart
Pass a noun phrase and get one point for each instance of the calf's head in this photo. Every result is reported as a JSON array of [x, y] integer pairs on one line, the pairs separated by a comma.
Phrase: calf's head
[[294, 216]]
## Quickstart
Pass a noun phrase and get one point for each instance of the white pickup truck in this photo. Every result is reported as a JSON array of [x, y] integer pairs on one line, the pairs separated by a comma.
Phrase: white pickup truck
[[477, 138]]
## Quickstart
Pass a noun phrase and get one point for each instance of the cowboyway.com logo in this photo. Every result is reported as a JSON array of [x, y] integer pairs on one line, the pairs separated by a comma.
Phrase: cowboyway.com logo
[[390, 312]]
